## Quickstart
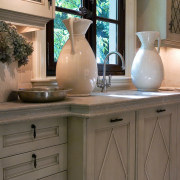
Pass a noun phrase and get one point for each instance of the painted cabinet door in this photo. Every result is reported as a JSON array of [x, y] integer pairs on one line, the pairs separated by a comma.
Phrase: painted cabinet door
[[156, 143], [111, 147], [41, 8]]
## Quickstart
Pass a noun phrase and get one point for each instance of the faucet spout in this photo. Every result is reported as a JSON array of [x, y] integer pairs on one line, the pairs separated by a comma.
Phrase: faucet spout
[[104, 84]]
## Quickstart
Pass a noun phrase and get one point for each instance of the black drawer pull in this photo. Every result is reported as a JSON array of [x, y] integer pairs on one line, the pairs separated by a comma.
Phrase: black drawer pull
[[34, 130], [116, 120], [34, 159], [160, 110]]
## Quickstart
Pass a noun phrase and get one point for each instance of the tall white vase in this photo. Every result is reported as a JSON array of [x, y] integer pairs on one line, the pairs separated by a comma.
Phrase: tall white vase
[[76, 68], [147, 70]]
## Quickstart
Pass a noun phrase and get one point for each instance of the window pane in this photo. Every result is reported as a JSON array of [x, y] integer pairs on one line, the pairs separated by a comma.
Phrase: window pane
[[61, 34], [107, 9], [106, 38], [69, 4]]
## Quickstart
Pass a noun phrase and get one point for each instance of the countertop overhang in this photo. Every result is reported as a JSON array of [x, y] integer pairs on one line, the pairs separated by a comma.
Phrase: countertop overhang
[[98, 104]]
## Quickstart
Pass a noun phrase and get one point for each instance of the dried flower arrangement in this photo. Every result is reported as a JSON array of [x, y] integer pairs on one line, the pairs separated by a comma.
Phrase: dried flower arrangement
[[13, 46]]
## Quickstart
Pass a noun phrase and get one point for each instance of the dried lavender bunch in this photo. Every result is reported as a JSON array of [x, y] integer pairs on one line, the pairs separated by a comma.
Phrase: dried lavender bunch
[[21, 48]]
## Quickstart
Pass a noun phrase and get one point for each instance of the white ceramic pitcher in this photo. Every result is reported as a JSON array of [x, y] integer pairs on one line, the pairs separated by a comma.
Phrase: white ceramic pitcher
[[76, 67], [147, 69]]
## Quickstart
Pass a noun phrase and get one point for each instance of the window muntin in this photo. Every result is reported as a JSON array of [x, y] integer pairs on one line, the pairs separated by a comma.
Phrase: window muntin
[[107, 9]]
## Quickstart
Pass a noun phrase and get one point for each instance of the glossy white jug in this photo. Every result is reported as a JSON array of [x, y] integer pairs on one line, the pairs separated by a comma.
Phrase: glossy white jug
[[76, 68], [147, 70]]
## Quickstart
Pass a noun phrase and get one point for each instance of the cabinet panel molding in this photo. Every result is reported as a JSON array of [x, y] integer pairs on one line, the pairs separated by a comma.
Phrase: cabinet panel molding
[[49, 161], [19, 137], [156, 144], [58, 176], [111, 148]]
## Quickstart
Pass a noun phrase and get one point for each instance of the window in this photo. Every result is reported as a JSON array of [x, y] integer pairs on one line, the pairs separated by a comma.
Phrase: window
[[106, 34]]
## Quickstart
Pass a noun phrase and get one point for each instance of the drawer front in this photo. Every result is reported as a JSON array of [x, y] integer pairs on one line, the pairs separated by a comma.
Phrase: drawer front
[[31, 135], [25, 166], [157, 111], [58, 176], [113, 120]]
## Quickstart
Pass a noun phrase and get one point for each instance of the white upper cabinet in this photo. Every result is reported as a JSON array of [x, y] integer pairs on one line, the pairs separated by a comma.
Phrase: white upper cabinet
[[162, 16], [41, 8], [32, 12]]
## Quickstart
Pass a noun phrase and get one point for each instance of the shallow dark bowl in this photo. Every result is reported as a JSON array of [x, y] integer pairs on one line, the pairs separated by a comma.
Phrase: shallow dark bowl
[[42, 95]]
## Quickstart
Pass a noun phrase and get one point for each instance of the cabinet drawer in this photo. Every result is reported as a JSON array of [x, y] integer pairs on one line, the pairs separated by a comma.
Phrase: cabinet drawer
[[22, 167], [113, 120], [157, 111], [58, 176], [31, 135]]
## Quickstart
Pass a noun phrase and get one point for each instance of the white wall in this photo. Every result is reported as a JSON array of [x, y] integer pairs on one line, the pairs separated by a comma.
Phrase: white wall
[[171, 62]]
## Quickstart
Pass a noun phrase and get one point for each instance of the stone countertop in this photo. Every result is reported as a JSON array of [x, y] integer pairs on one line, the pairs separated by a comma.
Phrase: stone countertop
[[97, 104]]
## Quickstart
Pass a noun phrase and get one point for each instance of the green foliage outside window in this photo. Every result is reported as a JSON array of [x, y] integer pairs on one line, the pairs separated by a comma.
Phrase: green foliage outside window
[[69, 4], [61, 34]]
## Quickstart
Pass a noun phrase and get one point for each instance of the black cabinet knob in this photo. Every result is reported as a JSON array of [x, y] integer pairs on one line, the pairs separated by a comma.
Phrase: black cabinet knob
[[34, 130], [34, 160]]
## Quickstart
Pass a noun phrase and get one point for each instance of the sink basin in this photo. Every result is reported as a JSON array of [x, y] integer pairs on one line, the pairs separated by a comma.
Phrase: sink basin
[[132, 94]]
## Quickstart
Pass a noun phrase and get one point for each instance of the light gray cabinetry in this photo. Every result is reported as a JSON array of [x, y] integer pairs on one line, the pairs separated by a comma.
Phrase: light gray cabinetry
[[34, 150], [102, 148], [25, 166], [111, 147], [132, 145], [156, 143], [16, 138]]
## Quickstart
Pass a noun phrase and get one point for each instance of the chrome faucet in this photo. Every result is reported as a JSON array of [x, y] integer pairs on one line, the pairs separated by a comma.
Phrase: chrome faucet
[[103, 84]]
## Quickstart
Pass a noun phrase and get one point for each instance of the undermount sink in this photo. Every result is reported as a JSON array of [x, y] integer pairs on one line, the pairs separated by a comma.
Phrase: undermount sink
[[131, 94]]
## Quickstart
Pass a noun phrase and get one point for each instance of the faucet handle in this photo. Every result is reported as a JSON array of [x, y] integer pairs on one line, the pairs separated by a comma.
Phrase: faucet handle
[[98, 83], [109, 81], [98, 79], [110, 78]]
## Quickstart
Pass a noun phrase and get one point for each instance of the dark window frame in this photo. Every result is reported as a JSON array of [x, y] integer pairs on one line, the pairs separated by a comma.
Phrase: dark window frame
[[91, 37]]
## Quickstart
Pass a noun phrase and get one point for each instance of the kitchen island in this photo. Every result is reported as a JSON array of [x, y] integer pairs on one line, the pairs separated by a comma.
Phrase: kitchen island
[[114, 135]]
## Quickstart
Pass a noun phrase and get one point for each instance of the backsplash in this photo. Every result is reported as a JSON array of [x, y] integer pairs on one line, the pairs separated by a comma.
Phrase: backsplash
[[25, 72], [170, 58], [171, 62]]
